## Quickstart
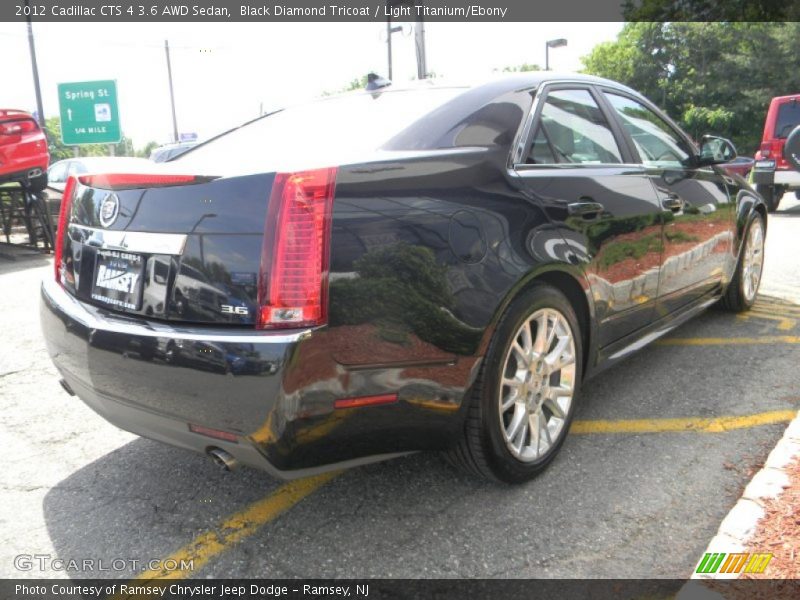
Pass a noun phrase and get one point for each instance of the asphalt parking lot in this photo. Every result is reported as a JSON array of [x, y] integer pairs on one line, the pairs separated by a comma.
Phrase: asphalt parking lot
[[661, 450]]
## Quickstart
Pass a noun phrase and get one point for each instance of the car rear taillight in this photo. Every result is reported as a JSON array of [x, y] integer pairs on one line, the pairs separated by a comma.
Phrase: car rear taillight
[[63, 223], [12, 131], [293, 282], [773, 149], [129, 181]]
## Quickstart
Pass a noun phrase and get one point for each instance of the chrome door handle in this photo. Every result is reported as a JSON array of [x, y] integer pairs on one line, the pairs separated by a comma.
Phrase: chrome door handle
[[585, 209], [672, 202]]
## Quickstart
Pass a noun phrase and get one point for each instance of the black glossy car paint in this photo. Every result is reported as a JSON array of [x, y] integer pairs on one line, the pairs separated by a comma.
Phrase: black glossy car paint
[[430, 241]]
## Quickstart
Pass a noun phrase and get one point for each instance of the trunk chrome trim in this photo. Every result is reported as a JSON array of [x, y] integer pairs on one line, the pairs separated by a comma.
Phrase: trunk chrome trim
[[129, 241], [96, 319]]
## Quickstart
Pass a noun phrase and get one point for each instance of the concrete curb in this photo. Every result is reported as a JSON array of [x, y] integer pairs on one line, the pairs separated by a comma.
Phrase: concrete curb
[[739, 525]]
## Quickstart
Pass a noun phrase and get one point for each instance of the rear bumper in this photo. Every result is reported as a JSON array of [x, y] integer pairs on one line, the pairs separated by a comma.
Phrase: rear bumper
[[154, 379], [787, 177], [23, 172]]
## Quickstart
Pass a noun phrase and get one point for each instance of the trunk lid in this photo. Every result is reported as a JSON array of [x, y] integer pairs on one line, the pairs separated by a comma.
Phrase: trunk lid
[[183, 249]]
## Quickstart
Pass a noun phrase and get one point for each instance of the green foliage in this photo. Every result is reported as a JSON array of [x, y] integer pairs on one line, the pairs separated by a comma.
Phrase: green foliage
[[148, 148], [618, 251], [402, 289], [711, 77], [58, 151], [358, 83]]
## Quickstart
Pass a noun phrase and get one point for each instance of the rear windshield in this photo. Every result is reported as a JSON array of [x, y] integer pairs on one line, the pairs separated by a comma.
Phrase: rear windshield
[[788, 118], [328, 131]]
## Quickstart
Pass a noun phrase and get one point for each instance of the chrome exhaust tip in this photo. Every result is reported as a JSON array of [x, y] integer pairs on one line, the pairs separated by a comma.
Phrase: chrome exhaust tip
[[33, 173], [223, 459]]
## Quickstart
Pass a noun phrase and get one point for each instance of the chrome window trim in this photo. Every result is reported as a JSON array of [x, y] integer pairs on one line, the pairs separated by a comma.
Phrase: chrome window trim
[[129, 241], [526, 130]]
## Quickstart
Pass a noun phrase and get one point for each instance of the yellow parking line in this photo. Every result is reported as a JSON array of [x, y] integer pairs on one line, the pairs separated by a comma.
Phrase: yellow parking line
[[248, 521], [238, 526], [734, 341], [693, 424]]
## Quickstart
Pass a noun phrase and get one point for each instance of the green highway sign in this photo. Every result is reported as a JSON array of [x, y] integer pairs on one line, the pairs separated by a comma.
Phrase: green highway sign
[[89, 112]]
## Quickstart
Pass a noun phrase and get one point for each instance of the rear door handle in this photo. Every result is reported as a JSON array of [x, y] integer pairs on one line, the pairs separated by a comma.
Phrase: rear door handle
[[585, 208], [672, 202]]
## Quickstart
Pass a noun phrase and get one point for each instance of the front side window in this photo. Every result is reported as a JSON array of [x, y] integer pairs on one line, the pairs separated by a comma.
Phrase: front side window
[[573, 129], [658, 143]]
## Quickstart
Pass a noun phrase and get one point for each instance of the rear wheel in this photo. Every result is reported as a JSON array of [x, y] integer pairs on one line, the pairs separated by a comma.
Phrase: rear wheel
[[741, 293], [524, 399]]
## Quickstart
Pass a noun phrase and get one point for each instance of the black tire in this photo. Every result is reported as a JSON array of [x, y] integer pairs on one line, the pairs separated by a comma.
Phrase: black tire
[[797, 194], [735, 298], [791, 149], [771, 195], [482, 449]]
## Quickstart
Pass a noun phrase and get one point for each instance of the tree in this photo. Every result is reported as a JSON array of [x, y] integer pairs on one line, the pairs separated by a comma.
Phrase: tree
[[148, 148], [59, 151], [357, 83], [710, 77]]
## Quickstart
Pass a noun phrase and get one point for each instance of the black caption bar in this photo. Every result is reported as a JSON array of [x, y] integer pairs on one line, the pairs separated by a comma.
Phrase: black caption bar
[[394, 589], [401, 10]]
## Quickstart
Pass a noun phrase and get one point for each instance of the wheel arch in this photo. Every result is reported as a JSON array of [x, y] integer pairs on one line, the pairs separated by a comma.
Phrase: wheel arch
[[571, 282], [748, 203]]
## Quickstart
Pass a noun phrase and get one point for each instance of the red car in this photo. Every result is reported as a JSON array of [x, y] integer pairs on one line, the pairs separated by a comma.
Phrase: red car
[[23, 150], [777, 167]]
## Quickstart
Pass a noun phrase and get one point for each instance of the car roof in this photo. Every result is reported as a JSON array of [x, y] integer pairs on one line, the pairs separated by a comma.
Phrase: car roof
[[531, 79]]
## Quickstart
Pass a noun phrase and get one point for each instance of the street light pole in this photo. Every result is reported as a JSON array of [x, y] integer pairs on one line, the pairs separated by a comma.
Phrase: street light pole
[[557, 43], [419, 38], [171, 94], [35, 69]]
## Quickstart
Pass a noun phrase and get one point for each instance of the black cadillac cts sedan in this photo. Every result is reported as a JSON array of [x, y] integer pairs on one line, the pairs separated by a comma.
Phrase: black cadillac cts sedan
[[395, 270]]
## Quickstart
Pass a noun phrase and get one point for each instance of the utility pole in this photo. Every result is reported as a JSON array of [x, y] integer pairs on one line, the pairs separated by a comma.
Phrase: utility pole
[[171, 94], [35, 68], [419, 39]]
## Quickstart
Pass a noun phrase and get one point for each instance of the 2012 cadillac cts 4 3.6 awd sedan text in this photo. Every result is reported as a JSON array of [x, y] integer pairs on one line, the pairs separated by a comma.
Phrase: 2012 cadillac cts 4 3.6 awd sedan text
[[394, 270]]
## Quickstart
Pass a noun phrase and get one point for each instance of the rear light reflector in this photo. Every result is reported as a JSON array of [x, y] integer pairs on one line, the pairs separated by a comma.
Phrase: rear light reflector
[[365, 401], [123, 181], [293, 281], [63, 223], [214, 433], [10, 131]]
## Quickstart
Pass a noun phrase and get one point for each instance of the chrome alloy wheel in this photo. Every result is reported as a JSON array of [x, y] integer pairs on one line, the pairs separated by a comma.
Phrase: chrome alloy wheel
[[537, 385], [753, 260]]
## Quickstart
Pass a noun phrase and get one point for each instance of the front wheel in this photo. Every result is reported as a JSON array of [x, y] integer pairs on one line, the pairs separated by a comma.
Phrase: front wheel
[[741, 293], [524, 399]]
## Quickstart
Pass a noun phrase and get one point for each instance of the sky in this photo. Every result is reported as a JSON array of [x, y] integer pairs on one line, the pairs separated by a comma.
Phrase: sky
[[224, 73]]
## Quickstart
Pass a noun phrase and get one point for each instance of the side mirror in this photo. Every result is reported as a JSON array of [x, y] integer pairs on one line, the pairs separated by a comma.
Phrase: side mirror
[[715, 150]]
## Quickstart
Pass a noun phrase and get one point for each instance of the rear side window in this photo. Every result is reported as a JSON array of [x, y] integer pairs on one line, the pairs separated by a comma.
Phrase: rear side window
[[657, 142], [573, 129], [336, 130], [788, 118]]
